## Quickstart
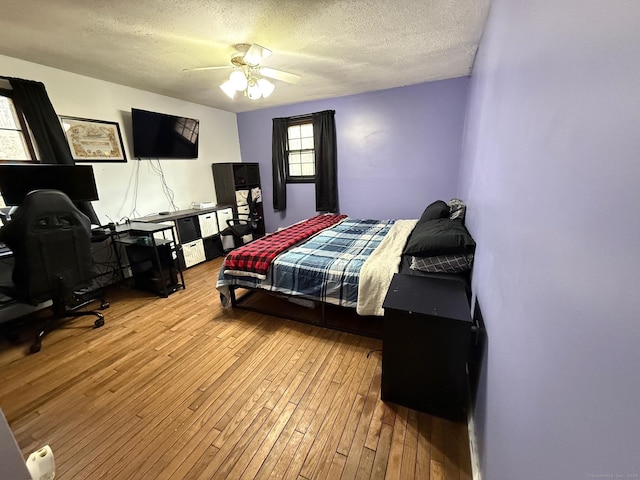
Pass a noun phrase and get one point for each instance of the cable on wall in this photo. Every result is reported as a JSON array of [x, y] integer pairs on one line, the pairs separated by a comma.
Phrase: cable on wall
[[134, 212], [169, 194]]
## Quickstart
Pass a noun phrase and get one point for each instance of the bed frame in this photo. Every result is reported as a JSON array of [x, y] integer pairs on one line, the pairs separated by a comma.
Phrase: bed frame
[[306, 310], [315, 312]]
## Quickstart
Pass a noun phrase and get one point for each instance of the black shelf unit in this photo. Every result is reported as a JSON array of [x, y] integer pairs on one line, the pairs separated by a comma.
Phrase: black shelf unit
[[151, 259], [231, 177]]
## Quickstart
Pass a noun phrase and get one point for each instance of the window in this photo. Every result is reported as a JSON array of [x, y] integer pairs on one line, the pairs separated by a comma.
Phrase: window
[[303, 149], [15, 142], [301, 162]]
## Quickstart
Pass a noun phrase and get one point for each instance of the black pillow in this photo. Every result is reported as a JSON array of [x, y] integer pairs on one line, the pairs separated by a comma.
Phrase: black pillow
[[436, 210], [439, 237]]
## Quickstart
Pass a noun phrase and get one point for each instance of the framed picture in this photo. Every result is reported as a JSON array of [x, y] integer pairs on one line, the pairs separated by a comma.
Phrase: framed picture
[[93, 140]]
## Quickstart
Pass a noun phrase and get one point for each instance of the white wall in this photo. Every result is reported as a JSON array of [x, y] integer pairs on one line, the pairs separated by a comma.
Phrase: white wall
[[190, 180]]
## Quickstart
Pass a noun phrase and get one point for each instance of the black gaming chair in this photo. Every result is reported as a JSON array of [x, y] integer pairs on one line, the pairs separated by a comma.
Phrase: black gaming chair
[[243, 224], [51, 243]]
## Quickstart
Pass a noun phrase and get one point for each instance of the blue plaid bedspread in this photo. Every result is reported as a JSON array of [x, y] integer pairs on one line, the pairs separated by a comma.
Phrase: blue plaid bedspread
[[326, 267]]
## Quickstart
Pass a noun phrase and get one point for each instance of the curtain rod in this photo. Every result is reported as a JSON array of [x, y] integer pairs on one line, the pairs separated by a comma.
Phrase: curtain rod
[[306, 115], [5, 82], [297, 117]]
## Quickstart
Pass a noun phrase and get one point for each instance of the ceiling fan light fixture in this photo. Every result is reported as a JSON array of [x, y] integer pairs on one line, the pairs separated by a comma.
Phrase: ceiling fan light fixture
[[253, 91], [239, 80], [229, 89], [248, 76], [266, 87], [255, 54]]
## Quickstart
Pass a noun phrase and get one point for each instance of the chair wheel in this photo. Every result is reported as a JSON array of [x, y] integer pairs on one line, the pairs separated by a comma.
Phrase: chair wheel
[[35, 348], [104, 305], [98, 323]]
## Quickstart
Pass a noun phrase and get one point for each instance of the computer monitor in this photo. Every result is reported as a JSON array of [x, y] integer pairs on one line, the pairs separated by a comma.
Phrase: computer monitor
[[76, 181]]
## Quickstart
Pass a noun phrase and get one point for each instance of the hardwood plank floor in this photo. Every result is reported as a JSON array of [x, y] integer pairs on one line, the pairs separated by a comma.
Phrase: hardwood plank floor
[[177, 387]]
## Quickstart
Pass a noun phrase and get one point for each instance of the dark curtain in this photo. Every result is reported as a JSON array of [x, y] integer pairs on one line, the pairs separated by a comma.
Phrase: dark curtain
[[46, 128], [324, 138], [279, 159]]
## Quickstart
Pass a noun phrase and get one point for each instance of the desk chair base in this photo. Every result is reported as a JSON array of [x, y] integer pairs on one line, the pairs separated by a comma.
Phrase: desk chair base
[[84, 298], [60, 313]]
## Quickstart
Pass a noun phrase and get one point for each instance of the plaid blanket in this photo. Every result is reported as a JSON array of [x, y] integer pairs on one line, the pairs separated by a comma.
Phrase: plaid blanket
[[256, 257], [325, 267]]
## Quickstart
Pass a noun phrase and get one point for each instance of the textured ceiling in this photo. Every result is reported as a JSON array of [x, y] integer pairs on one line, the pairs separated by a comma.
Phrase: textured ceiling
[[338, 47]]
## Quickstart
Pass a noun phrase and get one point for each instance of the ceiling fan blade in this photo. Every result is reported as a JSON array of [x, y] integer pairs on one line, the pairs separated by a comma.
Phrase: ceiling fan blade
[[256, 54], [279, 75], [206, 68]]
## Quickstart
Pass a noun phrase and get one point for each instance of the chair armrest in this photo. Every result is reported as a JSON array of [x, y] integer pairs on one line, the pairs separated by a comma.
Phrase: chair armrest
[[236, 220]]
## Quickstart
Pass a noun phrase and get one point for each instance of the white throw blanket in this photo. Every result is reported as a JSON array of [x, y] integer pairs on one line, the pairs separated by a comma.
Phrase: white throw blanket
[[377, 271]]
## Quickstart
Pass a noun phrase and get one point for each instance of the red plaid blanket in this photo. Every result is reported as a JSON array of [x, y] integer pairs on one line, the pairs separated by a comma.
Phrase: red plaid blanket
[[257, 256]]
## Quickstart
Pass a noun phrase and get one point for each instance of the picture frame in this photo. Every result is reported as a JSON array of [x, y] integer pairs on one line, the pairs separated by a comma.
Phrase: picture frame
[[93, 140]]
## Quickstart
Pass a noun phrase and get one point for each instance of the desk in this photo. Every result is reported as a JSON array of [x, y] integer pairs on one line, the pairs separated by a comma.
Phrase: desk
[[106, 271], [180, 214], [198, 232], [11, 462]]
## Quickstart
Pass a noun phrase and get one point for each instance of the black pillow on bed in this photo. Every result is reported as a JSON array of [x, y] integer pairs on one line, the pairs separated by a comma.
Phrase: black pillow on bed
[[439, 237], [436, 210]]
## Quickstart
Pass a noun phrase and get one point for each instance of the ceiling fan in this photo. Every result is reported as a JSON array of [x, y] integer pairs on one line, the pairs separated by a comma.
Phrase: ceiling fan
[[249, 75]]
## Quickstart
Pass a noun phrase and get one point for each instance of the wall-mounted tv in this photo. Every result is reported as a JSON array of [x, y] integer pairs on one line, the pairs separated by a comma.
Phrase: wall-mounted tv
[[158, 135]]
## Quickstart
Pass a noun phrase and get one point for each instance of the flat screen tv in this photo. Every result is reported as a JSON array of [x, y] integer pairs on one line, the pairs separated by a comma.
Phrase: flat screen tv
[[158, 135], [76, 181]]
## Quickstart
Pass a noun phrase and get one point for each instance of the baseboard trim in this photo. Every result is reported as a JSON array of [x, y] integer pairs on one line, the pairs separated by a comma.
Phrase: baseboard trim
[[473, 447]]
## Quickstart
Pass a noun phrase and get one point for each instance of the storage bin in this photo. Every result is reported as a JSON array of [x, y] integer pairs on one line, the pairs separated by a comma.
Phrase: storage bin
[[193, 253], [208, 224]]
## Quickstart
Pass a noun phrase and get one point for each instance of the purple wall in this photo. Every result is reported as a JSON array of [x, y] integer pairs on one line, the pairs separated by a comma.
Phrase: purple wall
[[398, 150], [551, 173]]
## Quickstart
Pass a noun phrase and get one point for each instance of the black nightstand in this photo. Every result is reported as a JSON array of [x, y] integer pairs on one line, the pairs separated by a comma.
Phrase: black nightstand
[[426, 336]]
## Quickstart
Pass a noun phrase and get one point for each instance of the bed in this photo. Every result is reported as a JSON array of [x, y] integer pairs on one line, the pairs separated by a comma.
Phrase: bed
[[346, 262]]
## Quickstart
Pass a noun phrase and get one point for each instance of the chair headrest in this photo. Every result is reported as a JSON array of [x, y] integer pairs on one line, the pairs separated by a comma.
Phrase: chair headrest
[[48, 207], [47, 200]]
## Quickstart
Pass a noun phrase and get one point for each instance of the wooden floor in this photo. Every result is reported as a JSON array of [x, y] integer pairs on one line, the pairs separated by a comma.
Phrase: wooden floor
[[178, 388]]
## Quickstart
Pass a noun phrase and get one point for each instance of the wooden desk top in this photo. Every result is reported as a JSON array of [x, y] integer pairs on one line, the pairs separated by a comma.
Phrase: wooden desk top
[[190, 212]]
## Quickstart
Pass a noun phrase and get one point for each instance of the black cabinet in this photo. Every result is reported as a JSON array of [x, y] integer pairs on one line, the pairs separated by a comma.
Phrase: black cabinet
[[154, 274], [426, 335], [232, 181], [152, 260]]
